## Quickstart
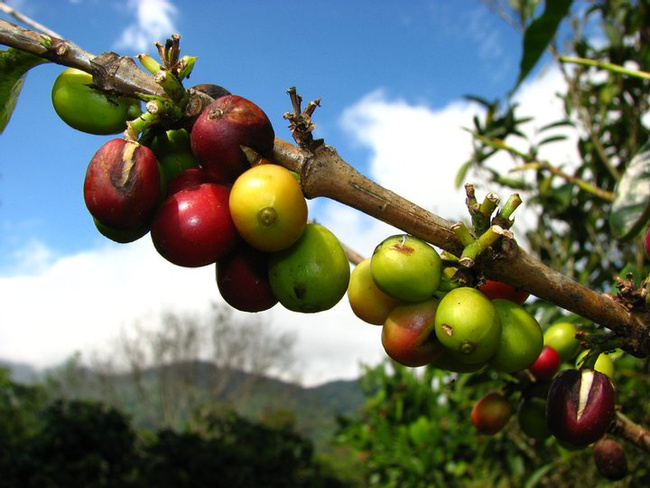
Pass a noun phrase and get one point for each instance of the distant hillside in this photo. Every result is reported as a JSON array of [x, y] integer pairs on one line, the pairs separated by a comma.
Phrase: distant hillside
[[314, 409], [20, 372]]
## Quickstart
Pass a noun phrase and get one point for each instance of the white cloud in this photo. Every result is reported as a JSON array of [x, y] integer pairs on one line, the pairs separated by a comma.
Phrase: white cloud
[[83, 302], [416, 151], [153, 21]]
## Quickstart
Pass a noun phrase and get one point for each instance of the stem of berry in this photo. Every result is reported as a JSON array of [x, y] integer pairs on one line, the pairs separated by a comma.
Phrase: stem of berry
[[508, 208], [463, 234], [482, 244]]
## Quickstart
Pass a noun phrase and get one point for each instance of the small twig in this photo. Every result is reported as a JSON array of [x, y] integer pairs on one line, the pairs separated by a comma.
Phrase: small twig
[[533, 163], [614, 68], [636, 434], [27, 21], [353, 256], [301, 125], [608, 196]]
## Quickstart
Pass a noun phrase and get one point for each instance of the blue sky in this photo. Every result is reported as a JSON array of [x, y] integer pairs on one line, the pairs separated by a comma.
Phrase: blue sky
[[391, 76]]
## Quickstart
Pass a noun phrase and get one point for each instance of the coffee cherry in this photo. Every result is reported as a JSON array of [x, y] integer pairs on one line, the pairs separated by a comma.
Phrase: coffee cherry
[[173, 152], [468, 325], [118, 235], [193, 227], [408, 334], [604, 363], [610, 459], [561, 336], [546, 365], [367, 301], [88, 109], [491, 413], [224, 126], [406, 268], [313, 274], [268, 207], [498, 290], [122, 186], [521, 338], [647, 242], [531, 415], [580, 406], [243, 279]]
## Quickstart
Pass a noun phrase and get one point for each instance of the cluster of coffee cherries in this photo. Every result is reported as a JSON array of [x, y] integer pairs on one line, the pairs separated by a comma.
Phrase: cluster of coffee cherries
[[194, 191], [429, 319]]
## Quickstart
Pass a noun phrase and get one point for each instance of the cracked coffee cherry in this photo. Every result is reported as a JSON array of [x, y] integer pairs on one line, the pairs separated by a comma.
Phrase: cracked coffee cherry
[[122, 186], [580, 406]]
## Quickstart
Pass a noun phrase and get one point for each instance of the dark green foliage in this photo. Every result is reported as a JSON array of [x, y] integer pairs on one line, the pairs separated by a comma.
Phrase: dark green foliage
[[415, 431], [14, 65], [539, 34], [81, 443], [69, 444], [232, 451], [573, 200]]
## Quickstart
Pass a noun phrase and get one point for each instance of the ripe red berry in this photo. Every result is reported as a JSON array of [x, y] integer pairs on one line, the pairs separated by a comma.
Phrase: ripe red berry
[[580, 406], [122, 185], [546, 365], [491, 413], [243, 279], [193, 227], [499, 290], [224, 126], [610, 459]]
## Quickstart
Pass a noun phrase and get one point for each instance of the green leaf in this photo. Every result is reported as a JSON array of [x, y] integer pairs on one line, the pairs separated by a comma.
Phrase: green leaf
[[539, 34], [462, 173], [538, 474], [631, 208], [558, 124], [14, 65], [550, 139]]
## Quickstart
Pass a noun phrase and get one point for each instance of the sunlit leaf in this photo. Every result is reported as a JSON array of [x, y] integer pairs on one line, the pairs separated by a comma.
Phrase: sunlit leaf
[[14, 65], [462, 173], [552, 139], [479, 100], [558, 124], [631, 208], [539, 34]]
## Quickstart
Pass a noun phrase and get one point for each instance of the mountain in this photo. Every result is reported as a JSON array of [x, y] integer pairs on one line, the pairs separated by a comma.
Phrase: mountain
[[168, 395], [20, 372]]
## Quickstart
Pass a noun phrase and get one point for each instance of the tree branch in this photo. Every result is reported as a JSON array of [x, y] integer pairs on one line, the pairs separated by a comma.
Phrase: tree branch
[[324, 173], [624, 428], [26, 20], [111, 72]]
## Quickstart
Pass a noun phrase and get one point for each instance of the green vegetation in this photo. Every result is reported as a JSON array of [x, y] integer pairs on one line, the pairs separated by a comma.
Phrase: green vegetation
[[85, 443]]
